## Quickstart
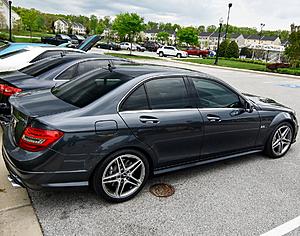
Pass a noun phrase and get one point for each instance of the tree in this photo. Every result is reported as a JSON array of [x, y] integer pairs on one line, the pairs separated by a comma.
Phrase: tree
[[232, 50], [93, 23], [100, 27], [163, 36], [128, 24], [211, 28], [223, 47], [188, 35], [201, 28], [29, 18], [2, 21], [292, 51], [246, 52]]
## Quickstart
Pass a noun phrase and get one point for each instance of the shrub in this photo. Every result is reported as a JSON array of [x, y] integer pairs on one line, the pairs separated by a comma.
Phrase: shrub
[[247, 52], [223, 47], [232, 50], [275, 66]]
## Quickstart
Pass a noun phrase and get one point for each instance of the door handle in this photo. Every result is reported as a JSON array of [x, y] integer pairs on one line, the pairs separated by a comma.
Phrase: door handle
[[213, 118], [149, 119]]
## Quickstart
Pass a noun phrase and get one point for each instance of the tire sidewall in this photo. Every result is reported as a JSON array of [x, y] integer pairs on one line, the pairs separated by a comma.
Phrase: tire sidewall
[[97, 176]]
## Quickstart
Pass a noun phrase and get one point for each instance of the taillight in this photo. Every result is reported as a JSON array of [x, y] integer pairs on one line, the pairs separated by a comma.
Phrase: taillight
[[8, 90], [35, 139]]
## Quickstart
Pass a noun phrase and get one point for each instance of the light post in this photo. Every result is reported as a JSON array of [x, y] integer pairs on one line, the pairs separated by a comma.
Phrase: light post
[[175, 36], [262, 25], [220, 29], [9, 17], [229, 6]]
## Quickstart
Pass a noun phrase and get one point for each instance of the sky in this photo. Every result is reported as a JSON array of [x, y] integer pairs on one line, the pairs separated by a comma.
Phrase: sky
[[275, 14]]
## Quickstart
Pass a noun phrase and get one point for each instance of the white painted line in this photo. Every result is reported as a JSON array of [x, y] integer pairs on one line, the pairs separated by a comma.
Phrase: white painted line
[[284, 228]]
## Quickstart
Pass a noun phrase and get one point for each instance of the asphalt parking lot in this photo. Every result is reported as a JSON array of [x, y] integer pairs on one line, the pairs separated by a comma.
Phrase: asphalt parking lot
[[244, 196]]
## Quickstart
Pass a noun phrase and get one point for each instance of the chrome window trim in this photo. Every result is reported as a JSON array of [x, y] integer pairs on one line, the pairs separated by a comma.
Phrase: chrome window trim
[[158, 110]]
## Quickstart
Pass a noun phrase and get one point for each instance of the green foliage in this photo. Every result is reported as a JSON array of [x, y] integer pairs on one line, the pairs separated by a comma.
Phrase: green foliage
[[293, 49], [246, 52], [232, 50], [223, 47], [211, 28], [163, 36], [93, 23], [188, 35], [201, 28]]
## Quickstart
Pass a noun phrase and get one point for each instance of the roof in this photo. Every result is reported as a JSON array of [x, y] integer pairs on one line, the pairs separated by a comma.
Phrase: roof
[[154, 31], [234, 35], [216, 34], [205, 34], [269, 38], [253, 36]]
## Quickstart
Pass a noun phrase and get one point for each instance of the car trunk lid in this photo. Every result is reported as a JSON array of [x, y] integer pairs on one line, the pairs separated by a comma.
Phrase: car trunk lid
[[88, 43]]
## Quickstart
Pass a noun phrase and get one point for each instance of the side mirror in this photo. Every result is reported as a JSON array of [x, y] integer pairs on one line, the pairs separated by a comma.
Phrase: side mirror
[[249, 107]]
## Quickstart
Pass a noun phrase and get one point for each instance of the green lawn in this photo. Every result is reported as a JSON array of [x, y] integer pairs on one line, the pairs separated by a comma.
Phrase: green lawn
[[128, 56], [228, 63]]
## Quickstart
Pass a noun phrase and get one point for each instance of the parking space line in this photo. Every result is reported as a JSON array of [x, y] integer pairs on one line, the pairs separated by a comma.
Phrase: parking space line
[[284, 228]]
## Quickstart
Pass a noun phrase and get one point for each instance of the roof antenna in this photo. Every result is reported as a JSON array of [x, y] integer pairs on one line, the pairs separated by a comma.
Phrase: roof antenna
[[111, 67]]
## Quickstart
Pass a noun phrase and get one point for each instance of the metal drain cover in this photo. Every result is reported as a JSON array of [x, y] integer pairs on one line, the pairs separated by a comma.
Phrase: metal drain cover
[[162, 190]]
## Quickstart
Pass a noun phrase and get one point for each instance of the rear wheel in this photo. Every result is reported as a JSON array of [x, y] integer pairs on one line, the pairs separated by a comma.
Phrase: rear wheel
[[179, 55], [280, 140], [121, 176], [161, 54]]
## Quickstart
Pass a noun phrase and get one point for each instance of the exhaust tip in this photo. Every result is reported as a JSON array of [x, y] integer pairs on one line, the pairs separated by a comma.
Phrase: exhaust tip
[[14, 184]]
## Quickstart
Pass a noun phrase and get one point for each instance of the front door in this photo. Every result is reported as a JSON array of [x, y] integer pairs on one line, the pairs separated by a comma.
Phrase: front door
[[160, 115]]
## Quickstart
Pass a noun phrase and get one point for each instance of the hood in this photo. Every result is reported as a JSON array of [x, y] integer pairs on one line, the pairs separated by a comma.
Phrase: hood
[[88, 43], [39, 103], [267, 103]]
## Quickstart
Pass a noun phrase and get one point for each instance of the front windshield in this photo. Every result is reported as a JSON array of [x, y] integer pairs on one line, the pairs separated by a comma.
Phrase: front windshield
[[65, 37]]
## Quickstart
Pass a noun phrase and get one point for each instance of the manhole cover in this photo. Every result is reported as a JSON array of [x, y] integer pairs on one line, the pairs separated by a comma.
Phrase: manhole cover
[[162, 190]]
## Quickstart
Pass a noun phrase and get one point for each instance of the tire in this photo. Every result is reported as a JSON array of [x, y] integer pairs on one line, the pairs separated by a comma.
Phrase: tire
[[117, 188], [111, 48], [161, 54], [275, 148], [178, 55], [128, 49]]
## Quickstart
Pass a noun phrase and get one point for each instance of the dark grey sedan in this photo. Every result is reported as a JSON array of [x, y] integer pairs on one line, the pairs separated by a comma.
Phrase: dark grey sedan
[[111, 128]]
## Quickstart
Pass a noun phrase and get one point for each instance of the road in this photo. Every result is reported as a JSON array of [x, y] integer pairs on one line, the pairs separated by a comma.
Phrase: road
[[243, 196]]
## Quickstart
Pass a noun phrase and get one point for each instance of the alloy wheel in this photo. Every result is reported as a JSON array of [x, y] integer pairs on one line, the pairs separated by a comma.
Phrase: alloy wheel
[[123, 176], [282, 140]]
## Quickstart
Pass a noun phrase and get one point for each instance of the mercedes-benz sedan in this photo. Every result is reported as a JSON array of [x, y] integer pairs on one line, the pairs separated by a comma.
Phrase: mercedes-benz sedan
[[112, 128]]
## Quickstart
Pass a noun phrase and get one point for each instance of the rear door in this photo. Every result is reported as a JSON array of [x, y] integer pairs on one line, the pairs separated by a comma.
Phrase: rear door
[[160, 115]]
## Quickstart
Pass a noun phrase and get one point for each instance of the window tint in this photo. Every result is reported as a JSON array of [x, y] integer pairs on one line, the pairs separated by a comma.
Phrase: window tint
[[88, 88], [136, 101], [214, 95], [167, 93], [68, 74], [87, 66]]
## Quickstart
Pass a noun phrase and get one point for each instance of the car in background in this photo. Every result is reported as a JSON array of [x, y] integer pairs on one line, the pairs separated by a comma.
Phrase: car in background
[[7, 47], [139, 47], [151, 46], [77, 37], [193, 51], [49, 72], [109, 46], [127, 46], [112, 128], [60, 39], [19, 59], [171, 51]]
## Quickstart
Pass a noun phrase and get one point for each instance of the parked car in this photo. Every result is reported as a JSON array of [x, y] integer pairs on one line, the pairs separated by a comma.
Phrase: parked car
[[171, 51], [151, 46], [59, 39], [8, 47], [78, 38], [127, 46], [48, 73], [19, 59], [104, 131], [110, 46], [139, 48], [197, 52]]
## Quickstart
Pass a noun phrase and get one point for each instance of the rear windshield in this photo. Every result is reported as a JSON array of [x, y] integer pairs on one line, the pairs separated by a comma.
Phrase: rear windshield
[[88, 88], [3, 46], [42, 66], [6, 55]]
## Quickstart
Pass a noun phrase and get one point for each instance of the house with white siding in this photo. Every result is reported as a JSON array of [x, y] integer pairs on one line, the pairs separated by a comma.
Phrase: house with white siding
[[63, 26], [4, 12]]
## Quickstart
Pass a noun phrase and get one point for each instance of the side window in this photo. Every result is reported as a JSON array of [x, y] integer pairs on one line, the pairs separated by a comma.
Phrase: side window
[[167, 93], [87, 66], [214, 95], [136, 101], [68, 74]]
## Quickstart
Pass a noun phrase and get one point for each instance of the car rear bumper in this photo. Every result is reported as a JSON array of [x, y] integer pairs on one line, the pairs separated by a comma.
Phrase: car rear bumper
[[38, 180]]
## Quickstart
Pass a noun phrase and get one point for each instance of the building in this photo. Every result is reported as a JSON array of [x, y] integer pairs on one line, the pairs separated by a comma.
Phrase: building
[[4, 15], [264, 40], [210, 39], [64, 26], [151, 35]]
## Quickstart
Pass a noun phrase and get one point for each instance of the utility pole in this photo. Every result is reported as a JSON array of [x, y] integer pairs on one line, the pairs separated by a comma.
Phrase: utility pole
[[229, 6], [9, 17]]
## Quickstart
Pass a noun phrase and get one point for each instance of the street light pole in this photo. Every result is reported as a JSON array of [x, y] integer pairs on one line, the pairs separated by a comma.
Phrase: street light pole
[[9, 17], [175, 36], [219, 36], [260, 34], [229, 6]]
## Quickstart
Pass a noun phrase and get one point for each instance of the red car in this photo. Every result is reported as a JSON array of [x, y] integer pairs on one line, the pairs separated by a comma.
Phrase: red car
[[197, 52]]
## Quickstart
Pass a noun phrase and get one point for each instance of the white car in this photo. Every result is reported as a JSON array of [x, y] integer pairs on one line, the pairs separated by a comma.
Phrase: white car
[[19, 59], [171, 51], [127, 46]]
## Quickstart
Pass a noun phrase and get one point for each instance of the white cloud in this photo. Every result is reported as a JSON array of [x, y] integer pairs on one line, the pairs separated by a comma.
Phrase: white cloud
[[276, 14]]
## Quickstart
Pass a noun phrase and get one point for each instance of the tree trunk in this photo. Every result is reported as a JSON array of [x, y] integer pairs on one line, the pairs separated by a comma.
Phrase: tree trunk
[[130, 45]]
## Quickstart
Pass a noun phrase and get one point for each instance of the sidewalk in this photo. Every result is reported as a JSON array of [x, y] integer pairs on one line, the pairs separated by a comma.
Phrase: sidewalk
[[17, 216]]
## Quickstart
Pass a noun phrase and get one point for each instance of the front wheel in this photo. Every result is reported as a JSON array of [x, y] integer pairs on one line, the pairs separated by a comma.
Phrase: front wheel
[[179, 55], [161, 54], [121, 176], [280, 140]]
